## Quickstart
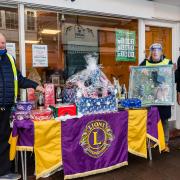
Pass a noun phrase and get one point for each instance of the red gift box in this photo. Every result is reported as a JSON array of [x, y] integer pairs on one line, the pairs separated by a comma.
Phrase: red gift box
[[68, 109], [49, 97]]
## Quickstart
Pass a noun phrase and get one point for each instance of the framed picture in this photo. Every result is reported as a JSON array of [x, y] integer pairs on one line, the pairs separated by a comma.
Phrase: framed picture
[[55, 80], [154, 85]]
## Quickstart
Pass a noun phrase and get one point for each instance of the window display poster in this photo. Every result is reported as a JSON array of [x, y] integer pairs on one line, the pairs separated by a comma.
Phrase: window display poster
[[40, 55], [11, 49], [125, 45]]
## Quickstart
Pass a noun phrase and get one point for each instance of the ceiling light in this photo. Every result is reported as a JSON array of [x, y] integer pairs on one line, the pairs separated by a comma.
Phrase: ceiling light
[[31, 41], [50, 31]]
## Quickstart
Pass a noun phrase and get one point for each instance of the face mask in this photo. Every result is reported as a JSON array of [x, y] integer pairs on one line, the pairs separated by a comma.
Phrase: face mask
[[2, 51]]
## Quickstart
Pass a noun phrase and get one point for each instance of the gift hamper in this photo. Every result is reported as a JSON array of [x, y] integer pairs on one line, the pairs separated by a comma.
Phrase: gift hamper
[[91, 90]]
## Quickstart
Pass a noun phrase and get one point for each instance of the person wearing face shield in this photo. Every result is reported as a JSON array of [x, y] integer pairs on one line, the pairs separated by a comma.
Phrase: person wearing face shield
[[157, 58], [10, 80]]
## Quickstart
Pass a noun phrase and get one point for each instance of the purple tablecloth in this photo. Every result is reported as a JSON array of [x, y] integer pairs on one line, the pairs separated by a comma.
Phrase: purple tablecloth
[[94, 144], [25, 131]]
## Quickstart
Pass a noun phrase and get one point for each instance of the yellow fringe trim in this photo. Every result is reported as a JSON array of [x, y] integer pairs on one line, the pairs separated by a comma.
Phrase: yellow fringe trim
[[137, 153], [96, 171], [155, 140], [24, 148], [50, 170]]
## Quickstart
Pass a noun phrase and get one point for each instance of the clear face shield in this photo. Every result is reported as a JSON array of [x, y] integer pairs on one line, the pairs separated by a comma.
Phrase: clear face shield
[[156, 54]]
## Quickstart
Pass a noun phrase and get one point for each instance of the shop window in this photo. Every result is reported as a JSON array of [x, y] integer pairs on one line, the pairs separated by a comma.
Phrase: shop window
[[11, 20], [2, 19], [43, 44], [66, 39], [84, 34], [9, 27], [31, 20], [78, 41]]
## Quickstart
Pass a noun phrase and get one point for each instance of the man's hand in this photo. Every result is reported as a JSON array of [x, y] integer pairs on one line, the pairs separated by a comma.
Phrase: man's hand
[[40, 89]]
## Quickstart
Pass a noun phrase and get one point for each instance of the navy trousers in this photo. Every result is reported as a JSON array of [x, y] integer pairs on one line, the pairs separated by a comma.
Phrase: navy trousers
[[5, 164]]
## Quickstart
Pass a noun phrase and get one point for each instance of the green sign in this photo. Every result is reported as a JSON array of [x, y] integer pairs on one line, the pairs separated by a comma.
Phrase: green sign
[[125, 45]]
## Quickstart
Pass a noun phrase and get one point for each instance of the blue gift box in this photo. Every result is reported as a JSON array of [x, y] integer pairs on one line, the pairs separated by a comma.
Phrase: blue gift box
[[88, 105], [69, 95], [130, 103]]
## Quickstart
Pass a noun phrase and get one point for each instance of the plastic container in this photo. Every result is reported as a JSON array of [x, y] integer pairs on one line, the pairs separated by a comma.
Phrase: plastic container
[[24, 106], [21, 115]]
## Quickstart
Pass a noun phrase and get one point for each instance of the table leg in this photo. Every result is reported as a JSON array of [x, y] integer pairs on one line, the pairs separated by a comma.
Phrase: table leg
[[25, 163], [149, 149], [22, 164], [16, 162]]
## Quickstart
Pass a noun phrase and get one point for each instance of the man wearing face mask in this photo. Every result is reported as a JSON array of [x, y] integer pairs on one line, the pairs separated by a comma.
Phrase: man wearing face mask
[[10, 80], [157, 58]]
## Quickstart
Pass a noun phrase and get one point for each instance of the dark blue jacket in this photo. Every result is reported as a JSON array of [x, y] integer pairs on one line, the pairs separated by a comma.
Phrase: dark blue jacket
[[7, 82]]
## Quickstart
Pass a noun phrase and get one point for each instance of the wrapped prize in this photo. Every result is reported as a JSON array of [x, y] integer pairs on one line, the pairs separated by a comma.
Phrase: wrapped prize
[[21, 115], [24, 106], [41, 114]]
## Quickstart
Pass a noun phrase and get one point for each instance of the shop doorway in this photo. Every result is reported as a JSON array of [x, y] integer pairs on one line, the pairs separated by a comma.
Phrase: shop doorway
[[162, 35]]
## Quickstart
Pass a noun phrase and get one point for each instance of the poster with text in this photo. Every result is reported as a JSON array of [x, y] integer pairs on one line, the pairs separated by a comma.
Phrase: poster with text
[[125, 45], [40, 55]]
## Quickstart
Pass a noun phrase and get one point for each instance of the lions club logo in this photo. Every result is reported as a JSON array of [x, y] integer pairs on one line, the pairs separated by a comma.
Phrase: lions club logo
[[96, 138]]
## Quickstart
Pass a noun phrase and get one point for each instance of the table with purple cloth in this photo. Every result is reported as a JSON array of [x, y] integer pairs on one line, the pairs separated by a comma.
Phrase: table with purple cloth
[[99, 142]]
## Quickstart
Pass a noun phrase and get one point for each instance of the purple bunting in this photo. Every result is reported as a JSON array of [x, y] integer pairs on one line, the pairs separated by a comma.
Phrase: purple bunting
[[152, 121]]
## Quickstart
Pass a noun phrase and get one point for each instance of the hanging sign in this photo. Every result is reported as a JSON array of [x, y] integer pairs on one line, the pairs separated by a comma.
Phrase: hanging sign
[[11, 49], [40, 55]]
